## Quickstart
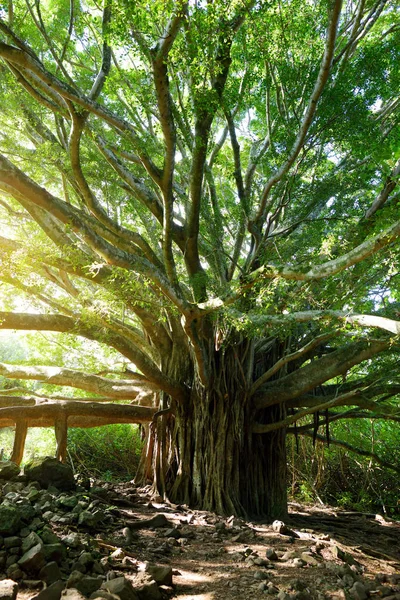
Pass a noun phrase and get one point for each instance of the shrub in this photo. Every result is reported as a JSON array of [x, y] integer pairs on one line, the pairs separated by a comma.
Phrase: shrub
[[108, 452]]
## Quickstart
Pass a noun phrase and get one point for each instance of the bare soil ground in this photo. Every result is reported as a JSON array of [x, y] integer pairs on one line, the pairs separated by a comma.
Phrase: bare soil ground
[[320, 553]]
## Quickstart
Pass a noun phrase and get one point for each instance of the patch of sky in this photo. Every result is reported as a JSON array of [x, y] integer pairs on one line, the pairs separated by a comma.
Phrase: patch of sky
[[332, 154], [376, 106]]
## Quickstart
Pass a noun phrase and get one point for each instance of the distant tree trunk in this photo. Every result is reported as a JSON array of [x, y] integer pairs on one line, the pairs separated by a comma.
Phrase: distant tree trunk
[[61, 431], [21, 430]]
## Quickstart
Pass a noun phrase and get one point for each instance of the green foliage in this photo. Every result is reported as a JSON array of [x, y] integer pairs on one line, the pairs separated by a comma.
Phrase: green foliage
[[108, 452], [336, 476], [39, 442]]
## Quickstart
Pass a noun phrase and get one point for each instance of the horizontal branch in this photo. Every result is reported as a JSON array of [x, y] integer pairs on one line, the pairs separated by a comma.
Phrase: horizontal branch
[[8, 400], [352, 413], [340, 400], [47, 413], [314, 315], [359, 253], [153, 377], [364, 399], [289, 358], [317, 372], [123, 389], [103, 276]]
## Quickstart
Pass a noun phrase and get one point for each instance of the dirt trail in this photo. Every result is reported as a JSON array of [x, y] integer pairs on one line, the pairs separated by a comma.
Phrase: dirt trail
[[321, 553]]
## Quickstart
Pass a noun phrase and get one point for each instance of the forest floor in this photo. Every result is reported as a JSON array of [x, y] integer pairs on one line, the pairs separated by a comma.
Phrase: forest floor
[[117, 531], [319, 553]]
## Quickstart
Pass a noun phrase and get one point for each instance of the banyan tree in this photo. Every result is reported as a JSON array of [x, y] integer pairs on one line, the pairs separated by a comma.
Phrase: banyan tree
[[210, 189]]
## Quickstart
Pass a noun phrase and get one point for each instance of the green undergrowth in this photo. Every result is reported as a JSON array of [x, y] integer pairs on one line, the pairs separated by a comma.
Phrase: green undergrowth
[[338, 477], [316, 474], [111, 452]]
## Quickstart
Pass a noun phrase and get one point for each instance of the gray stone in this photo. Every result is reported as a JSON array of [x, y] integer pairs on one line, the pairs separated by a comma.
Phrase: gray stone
[[52, 592], [147, 589], [31, 540], [298, 585], [272, 589], [8, 589], [3, 558], [33, 560], [98, 491], [14, 572], [280, 527], [67, 502], [50, 573], [271, 554], [87, 585], [36, 523], [8, 470], [33, 495], [48, 515], [103, 594], [261, 575], [159, 520], [54, 552], [359, 591], [13, 541], [263, 562], [26, 511], [78, 567], [341, 555], [120, 587], [86, 559], [11, 560], [309, 559], [72, 594], [68, 519], [241, 537], [98, 568], [162, 574], [88, 519], [298, 563], [10, 520], [172, 532], [72, 539], [49, 537], [74, 578], [49, 471]]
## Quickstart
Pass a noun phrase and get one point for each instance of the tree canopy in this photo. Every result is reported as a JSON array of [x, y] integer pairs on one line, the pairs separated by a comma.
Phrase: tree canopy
[[209, 190]]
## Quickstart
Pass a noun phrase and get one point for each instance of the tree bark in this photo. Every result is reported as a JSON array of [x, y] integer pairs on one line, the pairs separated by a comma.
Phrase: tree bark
[[21, 429], [222, 467], [61, 431], [204, 453]]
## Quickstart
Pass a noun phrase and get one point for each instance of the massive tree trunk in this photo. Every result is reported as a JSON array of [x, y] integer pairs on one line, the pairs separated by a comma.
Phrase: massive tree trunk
[[223, 467], [204, 452]]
